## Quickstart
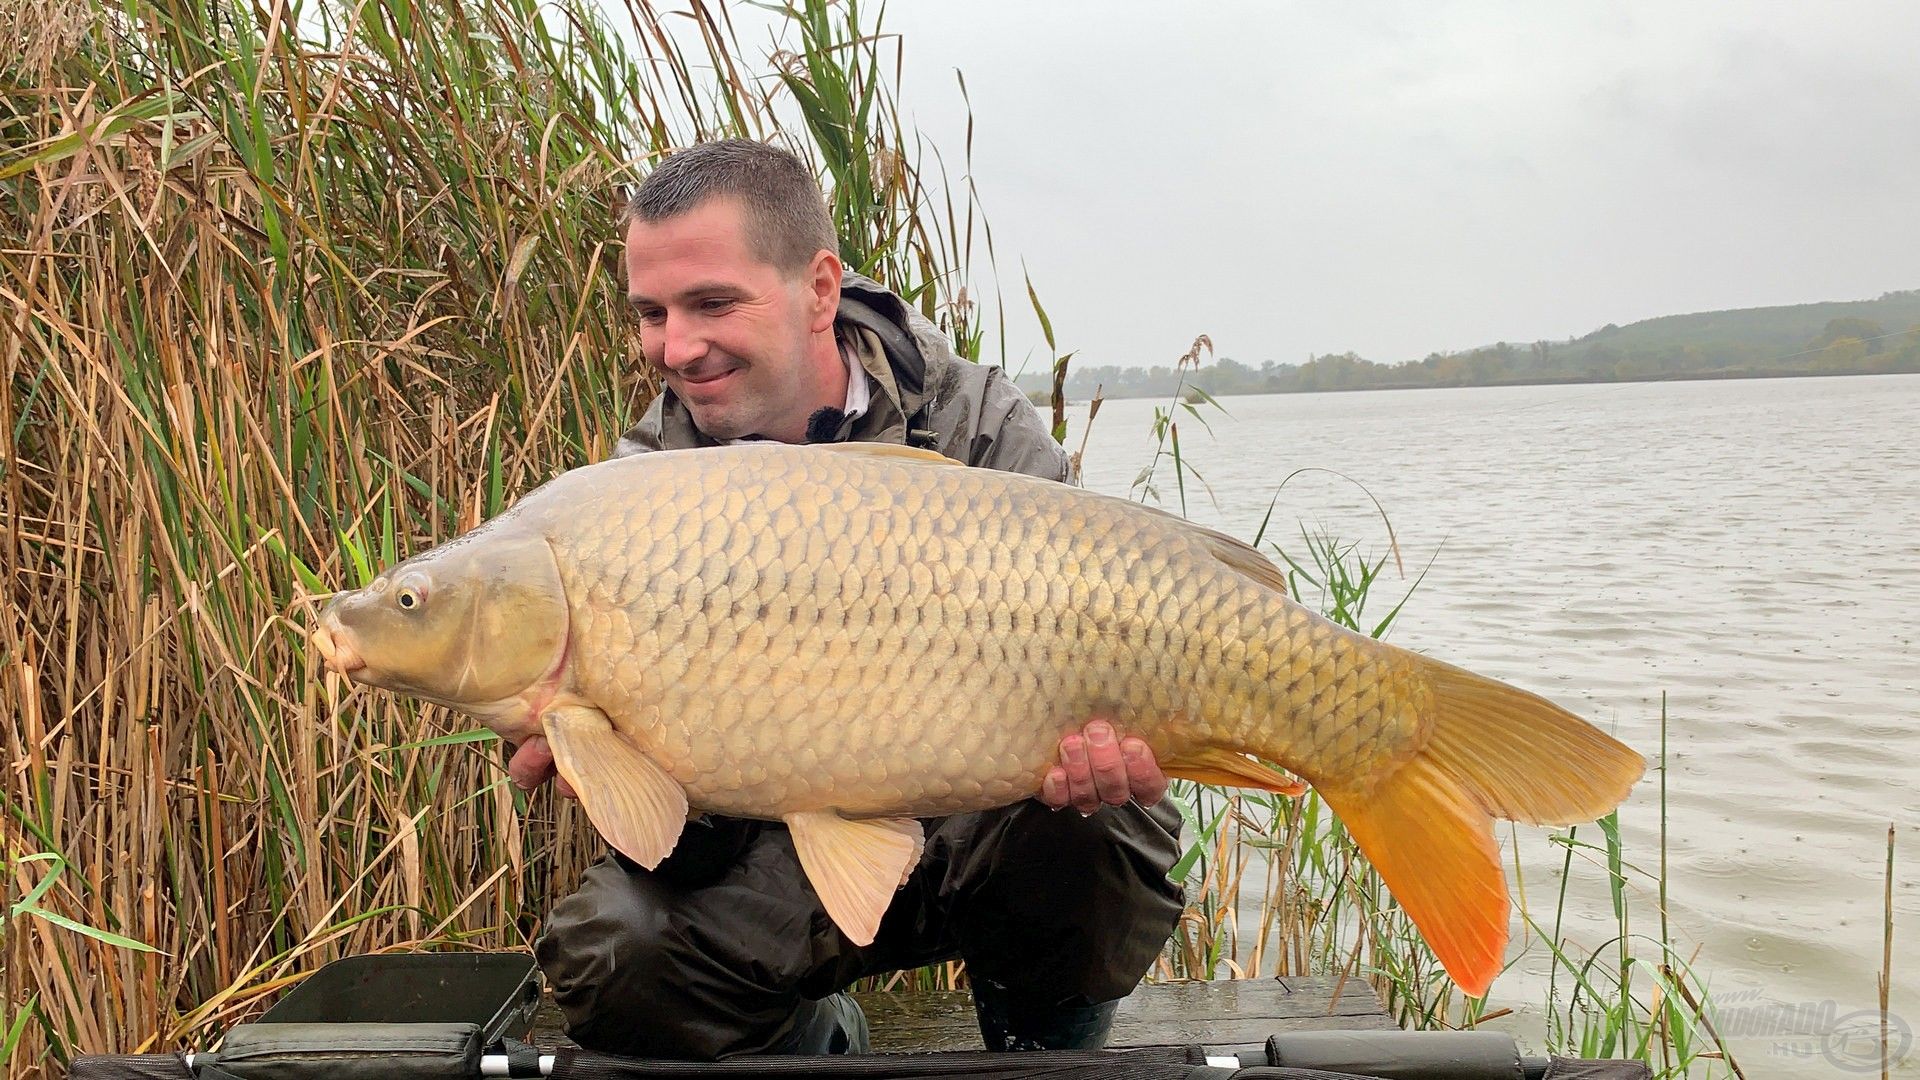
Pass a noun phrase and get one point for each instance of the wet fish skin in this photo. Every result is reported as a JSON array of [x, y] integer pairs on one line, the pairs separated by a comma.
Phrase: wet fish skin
[[831, 634], [847, 634]]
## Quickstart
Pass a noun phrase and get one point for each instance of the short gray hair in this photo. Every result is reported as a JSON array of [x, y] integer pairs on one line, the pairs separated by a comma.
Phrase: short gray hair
[[786, 215]]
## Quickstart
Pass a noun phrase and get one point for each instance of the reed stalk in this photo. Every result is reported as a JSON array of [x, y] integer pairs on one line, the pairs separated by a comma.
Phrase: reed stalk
[[1886, 962]]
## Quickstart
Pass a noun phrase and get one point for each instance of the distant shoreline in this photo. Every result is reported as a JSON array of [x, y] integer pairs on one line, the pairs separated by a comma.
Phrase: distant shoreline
[[1582, 380]]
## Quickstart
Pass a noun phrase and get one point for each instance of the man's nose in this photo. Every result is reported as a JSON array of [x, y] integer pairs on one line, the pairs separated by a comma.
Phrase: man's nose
[[682, 343]]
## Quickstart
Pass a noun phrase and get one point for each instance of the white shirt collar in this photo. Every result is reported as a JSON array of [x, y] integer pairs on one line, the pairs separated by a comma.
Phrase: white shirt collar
[[859, 385]]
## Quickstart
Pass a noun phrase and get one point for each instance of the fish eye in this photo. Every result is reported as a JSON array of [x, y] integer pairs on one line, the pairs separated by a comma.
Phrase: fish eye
[[410, 598]]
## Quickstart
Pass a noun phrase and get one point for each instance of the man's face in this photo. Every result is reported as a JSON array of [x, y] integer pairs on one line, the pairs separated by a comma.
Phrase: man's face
[[738, 341]]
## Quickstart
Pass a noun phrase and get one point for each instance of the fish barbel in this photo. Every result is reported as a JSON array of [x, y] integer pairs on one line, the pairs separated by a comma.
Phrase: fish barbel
[[848, 637]]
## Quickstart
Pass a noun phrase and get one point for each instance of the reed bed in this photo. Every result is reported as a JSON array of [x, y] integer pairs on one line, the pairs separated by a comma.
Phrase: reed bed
[[288, 291]]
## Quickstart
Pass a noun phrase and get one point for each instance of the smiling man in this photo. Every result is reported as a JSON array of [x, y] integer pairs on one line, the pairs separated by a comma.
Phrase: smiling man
[[759, 333]]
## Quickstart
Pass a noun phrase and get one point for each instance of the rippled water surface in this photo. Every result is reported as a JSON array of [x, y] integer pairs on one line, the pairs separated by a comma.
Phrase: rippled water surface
[[1751, 549]]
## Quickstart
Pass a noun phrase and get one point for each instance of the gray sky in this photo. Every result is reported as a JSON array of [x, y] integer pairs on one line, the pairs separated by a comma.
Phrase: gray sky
[[1396, 178]]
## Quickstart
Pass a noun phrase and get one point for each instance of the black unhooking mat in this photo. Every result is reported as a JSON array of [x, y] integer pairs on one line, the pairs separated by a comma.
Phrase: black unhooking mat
[[459, 1016], [444, 1054]]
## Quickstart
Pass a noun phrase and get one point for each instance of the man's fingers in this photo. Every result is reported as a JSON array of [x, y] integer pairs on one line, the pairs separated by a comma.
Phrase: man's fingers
[[531, 764], [1149, 784], [1110, 780], [1098, 769], [1053, 790], [1080, 791]]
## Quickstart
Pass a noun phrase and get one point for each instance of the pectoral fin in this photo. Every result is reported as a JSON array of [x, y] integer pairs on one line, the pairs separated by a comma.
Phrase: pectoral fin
[[1212, 765], [632, 801], [855, 866]]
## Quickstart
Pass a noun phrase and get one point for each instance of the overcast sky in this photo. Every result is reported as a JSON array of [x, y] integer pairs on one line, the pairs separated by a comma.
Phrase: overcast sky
[[1396, 178]]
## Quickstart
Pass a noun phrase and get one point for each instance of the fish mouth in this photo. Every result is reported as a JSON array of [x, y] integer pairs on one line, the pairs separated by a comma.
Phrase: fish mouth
[[336, 648]]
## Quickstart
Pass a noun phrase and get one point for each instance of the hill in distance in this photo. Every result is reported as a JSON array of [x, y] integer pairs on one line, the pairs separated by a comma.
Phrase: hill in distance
[[1855, 337]]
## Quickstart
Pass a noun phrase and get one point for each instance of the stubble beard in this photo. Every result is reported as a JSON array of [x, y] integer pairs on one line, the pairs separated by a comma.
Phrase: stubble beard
[[751, 407], [764, 396]]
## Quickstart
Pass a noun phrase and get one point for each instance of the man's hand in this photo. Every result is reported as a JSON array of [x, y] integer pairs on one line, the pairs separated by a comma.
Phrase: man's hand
[[1098, 770], [532, 765]]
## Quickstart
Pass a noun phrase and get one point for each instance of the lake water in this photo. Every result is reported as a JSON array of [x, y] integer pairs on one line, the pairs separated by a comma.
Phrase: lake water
[[1751, 549]]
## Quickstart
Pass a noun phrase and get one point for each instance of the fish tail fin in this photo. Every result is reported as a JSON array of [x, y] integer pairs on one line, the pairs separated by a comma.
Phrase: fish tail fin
[[1427, 824]]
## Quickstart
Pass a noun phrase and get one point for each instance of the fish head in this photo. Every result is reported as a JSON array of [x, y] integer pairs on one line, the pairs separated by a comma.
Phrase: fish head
[[478, 624]]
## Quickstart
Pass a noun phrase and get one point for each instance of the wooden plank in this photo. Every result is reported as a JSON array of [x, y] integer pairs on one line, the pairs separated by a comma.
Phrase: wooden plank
[[1225, 1017], [1224, 1013]]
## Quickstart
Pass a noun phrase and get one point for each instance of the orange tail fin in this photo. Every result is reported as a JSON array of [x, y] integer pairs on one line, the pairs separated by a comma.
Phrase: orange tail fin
[[1427, 826]]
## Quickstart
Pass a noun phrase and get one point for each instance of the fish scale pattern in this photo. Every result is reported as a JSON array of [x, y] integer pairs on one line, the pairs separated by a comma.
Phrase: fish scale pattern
[[802, 628]]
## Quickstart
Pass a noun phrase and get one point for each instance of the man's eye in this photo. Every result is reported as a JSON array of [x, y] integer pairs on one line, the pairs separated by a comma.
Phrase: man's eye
[[716, 304], [652, 315]]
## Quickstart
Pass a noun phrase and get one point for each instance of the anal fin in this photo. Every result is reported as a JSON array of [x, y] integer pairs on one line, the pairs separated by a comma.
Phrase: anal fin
[[1213, 765], [630, 800], [855, 866]]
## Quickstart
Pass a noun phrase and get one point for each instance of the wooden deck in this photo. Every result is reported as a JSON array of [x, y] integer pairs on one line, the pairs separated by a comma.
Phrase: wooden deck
[[1224, 1017]]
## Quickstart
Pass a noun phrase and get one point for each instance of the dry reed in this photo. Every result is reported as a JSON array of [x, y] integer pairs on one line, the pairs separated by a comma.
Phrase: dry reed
[[284, 292]]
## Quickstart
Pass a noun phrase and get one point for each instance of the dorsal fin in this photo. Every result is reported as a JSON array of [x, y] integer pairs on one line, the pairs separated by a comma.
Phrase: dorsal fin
[[1246, 559], [889, 450], [1242, 557], [1238, 554]]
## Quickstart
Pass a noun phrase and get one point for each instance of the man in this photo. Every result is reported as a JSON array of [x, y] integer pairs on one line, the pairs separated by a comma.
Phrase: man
[[758, 333]]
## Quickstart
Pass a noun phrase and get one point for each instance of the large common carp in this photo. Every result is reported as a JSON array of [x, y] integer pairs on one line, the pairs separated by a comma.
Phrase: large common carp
[[848, 637]]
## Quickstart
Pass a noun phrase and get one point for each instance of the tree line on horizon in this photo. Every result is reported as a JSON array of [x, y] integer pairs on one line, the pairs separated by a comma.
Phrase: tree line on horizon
[[1730, 344]]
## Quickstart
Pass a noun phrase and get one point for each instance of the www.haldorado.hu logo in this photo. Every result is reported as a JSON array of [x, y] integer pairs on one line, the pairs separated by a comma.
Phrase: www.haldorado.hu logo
[[1854, 1041]]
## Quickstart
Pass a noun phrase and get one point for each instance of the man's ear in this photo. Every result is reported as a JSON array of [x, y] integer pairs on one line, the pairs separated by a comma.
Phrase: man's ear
[[823, 290]]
